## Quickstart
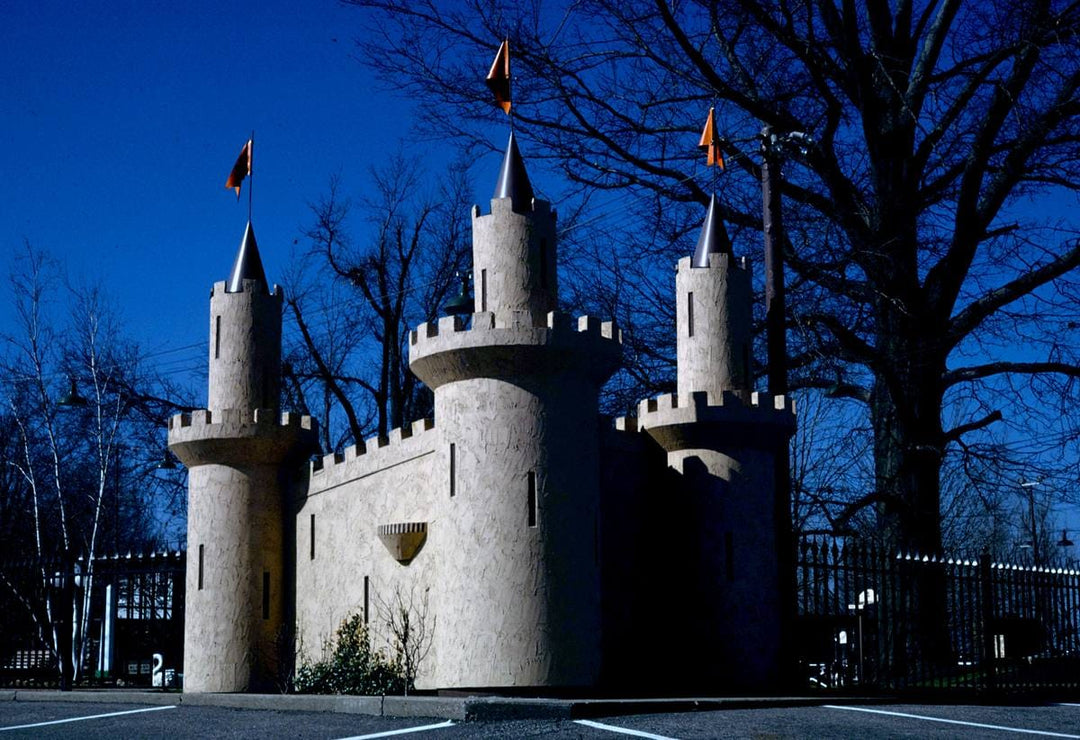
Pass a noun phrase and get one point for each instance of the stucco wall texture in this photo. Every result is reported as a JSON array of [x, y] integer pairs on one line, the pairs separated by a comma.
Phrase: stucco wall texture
[[541, 545]]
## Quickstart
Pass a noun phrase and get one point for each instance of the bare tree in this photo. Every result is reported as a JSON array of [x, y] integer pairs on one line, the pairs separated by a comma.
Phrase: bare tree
[[932, 261], [410, 630], [392, 276], [67, 456]]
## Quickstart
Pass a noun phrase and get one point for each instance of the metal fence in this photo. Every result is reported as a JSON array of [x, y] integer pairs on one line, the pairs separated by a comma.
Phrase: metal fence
[[136, 611], [873, 620]]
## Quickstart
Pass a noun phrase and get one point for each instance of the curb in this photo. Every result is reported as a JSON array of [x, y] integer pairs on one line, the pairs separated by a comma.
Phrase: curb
[[462, 709]]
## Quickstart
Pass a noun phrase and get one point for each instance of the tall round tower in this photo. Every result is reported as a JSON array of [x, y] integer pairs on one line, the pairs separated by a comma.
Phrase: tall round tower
[[516, 400], [713, 311], [238, 452], [724, 440]]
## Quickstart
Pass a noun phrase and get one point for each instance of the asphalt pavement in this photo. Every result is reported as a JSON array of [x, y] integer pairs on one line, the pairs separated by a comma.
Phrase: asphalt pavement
[[36, 715]]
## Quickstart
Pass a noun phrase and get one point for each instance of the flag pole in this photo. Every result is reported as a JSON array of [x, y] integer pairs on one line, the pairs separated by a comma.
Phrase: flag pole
[[506, 40], [715, 173], [251, 171]]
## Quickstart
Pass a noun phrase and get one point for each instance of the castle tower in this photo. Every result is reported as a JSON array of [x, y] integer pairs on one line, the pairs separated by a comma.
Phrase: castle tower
[[723, 439], [238, 451], [516, 400], [713, 313]]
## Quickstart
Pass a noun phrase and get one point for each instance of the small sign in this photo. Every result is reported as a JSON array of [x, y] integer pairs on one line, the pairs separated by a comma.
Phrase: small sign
[[132, 667], [144, 668]]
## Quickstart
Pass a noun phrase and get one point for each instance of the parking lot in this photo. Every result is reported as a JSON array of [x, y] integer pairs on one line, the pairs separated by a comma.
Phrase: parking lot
[[104, 720]]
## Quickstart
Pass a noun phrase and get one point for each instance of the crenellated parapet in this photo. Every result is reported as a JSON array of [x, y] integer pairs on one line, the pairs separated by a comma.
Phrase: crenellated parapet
[[373, 456], [240, 436], [508, 345], [701, 420]]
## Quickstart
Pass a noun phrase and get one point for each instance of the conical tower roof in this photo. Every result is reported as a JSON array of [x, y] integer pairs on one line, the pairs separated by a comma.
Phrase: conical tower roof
[[248, 264], [513, 180], [713, 239]]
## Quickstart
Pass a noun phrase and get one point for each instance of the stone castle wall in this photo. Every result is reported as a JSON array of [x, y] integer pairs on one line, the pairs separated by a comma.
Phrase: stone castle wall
[[343, 567]]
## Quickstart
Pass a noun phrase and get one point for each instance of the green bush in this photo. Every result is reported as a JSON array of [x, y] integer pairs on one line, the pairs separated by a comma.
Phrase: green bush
[[353, 667]]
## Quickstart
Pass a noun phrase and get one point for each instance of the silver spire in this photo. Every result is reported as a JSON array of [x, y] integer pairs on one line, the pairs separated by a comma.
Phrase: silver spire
[[713, 239], [248, 264], [513, 180]]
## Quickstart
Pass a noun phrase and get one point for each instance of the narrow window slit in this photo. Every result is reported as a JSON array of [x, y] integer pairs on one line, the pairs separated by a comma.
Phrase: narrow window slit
[[366, 583], [532, 498], [453, 469], [266, 594]]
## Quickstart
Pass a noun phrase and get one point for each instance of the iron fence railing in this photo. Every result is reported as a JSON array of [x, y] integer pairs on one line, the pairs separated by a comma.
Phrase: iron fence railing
[[873, 620]]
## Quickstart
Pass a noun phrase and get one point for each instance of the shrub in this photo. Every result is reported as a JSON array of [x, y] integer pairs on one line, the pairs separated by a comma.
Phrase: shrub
[[353, 667]]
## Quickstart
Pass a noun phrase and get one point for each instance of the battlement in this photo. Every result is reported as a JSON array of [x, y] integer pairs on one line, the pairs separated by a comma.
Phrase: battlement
[[373, 455], [702, 401], [240, 436], [540, 208], [220, 289], [259, 418], [717, 260], [509, 344], [701, 418], [515, 320]]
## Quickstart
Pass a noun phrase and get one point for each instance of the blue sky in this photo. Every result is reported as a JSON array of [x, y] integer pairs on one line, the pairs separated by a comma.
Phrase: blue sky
[[121, 121]]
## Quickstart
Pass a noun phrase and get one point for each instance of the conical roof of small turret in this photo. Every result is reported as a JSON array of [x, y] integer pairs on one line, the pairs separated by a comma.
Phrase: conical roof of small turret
[[248, 264], [513, 180], [713, 239]]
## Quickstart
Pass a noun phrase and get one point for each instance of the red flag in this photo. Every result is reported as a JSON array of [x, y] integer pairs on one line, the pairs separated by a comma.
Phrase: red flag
[[710, 141], [240, 170], [498, 79]]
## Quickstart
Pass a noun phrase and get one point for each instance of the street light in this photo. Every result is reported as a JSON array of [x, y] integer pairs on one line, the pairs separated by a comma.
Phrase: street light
[[866, 599], [463, 304], [72, 399], [168, 461], [1064, 541]]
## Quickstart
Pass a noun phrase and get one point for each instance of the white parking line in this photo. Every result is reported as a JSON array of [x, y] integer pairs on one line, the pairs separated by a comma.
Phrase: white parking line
[[980, 725], [82, 719], [404, 731], [622, 730]]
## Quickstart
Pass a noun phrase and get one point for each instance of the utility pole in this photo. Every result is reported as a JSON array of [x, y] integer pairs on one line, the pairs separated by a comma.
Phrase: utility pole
[[775, 296], [772, 146]]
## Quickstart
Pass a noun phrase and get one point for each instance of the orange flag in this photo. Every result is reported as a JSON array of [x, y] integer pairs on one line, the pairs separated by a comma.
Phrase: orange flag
[[498, 79], [240, 170], [710, 141]]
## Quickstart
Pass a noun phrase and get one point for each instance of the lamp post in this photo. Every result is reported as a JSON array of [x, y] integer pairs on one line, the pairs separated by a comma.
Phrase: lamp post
[[65, 583]]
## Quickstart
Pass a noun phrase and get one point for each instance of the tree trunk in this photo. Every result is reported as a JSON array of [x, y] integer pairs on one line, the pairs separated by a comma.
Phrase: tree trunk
[[909, 442]]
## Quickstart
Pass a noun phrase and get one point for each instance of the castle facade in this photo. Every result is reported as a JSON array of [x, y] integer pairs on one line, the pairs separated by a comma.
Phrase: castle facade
[[539, 545]]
